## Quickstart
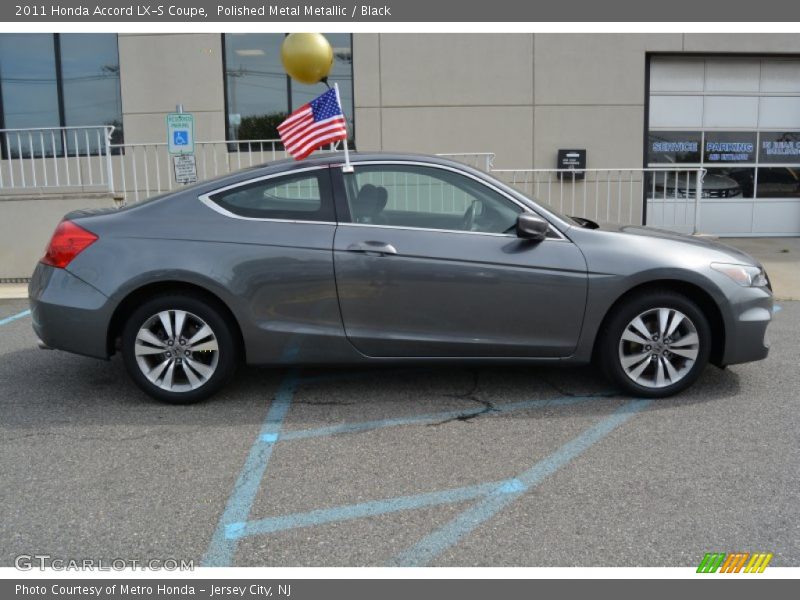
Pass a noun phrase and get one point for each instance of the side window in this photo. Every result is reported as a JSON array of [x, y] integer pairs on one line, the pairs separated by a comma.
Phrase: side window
[[302, 196], [427, 198]]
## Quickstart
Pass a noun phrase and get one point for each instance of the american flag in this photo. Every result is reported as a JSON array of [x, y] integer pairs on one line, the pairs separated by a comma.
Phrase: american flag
[[313, 125]]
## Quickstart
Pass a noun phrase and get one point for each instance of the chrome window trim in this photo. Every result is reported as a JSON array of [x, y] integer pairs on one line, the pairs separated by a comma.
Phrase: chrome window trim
[[223, 211], [525, 208], [206, 198], [486, 233]]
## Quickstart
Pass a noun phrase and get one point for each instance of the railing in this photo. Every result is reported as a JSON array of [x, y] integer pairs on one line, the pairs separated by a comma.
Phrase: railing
[[672, 196], [56, 157], [480, 160], [85, 158], [73, 159], [146, 169]]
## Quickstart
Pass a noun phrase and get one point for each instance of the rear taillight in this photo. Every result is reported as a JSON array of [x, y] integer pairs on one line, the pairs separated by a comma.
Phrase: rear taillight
[[67, 242]]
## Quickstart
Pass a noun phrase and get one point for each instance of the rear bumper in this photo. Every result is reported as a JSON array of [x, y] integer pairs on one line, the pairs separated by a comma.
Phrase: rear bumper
[[746, 331], [67, 313]]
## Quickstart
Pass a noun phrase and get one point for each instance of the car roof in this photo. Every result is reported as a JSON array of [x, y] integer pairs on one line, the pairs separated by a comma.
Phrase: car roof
[[287, 165], [336, 158]]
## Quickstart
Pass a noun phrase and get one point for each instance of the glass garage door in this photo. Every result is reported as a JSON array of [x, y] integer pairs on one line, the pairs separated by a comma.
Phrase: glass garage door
[[738, 118]]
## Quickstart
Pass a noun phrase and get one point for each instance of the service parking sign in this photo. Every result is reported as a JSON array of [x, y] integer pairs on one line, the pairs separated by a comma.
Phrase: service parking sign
[[180, 133]]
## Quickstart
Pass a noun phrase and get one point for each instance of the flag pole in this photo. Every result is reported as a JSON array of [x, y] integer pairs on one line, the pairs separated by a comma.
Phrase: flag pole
[[347, 168]]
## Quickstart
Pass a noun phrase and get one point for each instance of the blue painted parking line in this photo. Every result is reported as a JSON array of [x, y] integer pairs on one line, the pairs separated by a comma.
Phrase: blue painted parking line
[[511, 487], [514, 486], [234, 524], [432, 545], [776, 308], [350, 512], [19, 315], [433, 417], [222, 548]]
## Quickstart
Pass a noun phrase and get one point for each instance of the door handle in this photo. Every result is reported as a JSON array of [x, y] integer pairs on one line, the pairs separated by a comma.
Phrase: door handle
[[379, 248]]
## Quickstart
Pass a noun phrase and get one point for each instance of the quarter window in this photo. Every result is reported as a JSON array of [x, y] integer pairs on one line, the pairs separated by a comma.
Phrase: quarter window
[[427, 198], [302, 196]]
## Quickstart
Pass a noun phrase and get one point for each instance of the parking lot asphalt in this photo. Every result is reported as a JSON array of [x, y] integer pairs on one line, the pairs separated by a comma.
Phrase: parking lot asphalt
[[395, 466]]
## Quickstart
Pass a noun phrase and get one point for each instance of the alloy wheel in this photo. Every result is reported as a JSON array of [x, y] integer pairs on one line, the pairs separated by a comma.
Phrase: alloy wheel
[[659, 347], [176, 350]]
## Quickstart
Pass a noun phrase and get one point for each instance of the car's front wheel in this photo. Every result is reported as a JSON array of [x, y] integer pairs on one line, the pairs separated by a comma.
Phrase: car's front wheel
[[179, 348], [655, 344]]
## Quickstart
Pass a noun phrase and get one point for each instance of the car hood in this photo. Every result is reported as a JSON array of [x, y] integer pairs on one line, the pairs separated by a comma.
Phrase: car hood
[[737, 256]]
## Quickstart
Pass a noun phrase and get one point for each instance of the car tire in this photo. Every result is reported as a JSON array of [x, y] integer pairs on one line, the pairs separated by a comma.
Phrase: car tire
[[179, 367], [669, 359]]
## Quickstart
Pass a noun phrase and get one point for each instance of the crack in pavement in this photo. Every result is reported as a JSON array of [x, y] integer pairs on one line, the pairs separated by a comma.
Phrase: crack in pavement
[[87, 438], [471, 395], [325, 403]]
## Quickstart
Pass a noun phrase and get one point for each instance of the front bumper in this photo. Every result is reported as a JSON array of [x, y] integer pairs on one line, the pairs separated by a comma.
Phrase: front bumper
[[68, 313], [746, 329]]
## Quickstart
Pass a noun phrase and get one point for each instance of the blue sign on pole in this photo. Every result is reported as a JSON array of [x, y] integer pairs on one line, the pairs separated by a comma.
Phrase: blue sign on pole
[[180, 133]]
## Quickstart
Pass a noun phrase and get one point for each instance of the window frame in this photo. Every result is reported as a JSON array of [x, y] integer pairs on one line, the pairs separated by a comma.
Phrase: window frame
[[756, 165], [326, 189], [226, 104], [345, 218], [59, 83]]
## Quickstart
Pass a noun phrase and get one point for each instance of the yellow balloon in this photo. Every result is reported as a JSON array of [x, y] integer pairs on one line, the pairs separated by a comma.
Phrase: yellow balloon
[[307, 57]]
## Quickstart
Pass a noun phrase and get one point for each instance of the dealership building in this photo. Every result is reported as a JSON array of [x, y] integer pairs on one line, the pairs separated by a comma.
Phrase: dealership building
[[633, 106]]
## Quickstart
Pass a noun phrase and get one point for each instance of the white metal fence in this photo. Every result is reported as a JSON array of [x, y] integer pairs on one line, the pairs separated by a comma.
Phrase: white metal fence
[[84, 158], [71, 159], [56, 157], [672, 196], [662, 197], [146, 169]]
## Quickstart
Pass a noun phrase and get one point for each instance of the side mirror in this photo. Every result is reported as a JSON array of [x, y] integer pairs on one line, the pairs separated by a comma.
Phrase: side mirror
[[531, 227]]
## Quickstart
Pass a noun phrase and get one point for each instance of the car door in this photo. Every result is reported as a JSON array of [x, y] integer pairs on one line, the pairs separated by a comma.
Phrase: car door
[[274, 253], [428, 264]]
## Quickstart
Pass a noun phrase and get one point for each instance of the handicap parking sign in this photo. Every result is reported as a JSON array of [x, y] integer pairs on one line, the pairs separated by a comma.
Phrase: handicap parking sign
[[180, 137], [180, 133]]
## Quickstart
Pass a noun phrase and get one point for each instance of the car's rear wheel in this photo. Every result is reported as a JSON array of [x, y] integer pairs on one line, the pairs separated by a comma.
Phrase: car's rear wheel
[[179, 348], [655, 344]]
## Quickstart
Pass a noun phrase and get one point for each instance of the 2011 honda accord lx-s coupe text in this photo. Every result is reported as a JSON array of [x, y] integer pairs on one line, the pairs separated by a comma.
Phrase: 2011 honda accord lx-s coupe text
[[403, 259]]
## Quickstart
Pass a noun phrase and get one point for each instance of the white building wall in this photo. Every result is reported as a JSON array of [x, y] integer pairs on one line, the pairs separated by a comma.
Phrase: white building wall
[[159, 71]]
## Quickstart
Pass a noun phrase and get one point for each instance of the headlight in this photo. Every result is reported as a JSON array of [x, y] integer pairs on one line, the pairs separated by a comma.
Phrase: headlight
[[744, 275]]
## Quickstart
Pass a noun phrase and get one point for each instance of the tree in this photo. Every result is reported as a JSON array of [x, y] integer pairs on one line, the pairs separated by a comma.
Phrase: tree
[[260, 127]]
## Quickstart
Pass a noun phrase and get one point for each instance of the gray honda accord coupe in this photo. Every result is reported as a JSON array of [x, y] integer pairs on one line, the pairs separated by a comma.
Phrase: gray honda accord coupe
[[399, 259]]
